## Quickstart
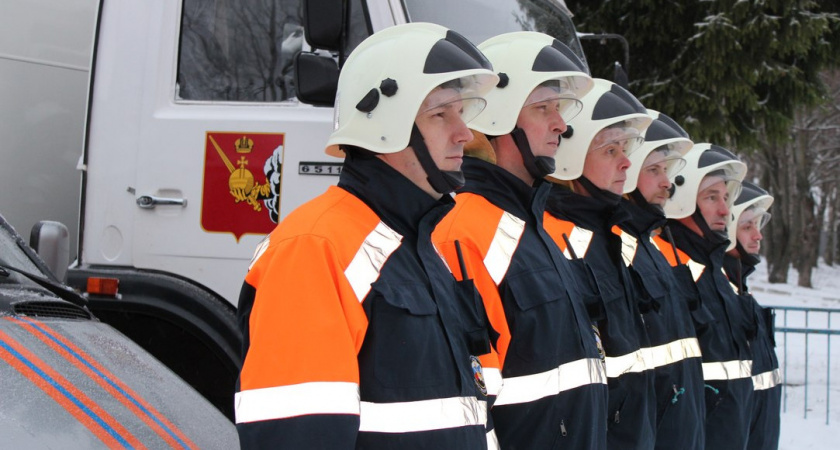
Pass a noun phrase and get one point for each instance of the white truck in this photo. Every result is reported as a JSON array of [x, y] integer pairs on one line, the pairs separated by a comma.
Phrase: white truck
[[170, 136]]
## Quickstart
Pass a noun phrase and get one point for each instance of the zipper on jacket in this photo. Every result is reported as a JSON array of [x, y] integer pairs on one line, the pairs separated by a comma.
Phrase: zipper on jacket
[[563, 431]]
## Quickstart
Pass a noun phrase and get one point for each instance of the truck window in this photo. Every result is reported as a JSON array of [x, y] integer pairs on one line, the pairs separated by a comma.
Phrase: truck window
[[243, 50], [480, 20]]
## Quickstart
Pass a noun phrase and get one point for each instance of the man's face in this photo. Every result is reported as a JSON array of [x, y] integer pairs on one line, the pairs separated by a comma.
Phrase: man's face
[[653, 181], [443, 129], [542, 122], [712, 203], [749, 235], [606, 161]]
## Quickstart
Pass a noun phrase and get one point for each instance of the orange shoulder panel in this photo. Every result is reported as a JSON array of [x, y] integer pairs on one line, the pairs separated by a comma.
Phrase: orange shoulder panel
[[473, 223], [556, 228], [306, 323], [670, 252]]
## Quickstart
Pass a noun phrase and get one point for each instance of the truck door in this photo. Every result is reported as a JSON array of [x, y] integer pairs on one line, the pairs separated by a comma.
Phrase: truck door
[[198, 145]]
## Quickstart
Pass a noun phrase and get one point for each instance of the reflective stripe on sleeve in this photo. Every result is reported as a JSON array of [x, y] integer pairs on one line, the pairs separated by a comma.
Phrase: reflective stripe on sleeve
[[568, 376], [727, 370], [580, 239], [767, 380], [492, 380], [504, 243], [629, 244], [653, 357], [696, 269], [492, 440], [282, 402], [675, 351], [375, 250], [423, 415]]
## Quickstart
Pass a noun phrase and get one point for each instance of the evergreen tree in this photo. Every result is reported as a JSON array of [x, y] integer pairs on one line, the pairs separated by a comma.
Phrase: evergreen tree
[[732, 72]]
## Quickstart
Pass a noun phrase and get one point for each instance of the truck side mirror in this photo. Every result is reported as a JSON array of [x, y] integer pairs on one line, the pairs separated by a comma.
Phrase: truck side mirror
[[51, 241], [323, 23], [316, 79]]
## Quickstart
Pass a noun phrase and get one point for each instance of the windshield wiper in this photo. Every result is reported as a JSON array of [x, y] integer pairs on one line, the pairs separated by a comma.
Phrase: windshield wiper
[[56, 288]]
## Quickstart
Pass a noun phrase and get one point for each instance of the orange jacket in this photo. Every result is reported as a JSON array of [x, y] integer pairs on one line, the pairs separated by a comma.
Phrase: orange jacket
[[353, 327], [551, 371]]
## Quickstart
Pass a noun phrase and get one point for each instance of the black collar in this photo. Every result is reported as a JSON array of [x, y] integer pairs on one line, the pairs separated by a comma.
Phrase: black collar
[[697, 247], [399, 202], [643, 219], [498, 186], [588, 212]]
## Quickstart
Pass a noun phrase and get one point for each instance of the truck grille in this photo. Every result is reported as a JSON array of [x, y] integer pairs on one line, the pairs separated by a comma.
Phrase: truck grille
[[51, 309]]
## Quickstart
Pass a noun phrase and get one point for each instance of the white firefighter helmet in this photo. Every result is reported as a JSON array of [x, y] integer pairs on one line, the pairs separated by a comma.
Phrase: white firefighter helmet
[[752, 204], [702, 161], [607, 105], [526, 60], [388, 76], [670, 142]]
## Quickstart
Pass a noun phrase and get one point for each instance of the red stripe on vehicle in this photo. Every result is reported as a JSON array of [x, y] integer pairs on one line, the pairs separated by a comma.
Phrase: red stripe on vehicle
[[109, 382], [80, 406]]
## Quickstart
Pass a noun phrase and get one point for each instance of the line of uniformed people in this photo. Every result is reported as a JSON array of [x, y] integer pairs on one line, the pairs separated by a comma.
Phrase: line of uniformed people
[[540, 309]]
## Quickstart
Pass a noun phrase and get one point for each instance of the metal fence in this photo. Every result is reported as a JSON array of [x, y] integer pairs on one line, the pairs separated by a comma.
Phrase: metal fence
[[804, 333]]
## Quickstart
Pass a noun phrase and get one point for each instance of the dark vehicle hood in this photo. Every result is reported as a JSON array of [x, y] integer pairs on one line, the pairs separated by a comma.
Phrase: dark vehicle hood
[[78, 383]]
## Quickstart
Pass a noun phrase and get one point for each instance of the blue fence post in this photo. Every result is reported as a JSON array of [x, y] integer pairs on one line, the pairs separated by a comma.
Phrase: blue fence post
[[784, 384], [805, 386], [826, 330]]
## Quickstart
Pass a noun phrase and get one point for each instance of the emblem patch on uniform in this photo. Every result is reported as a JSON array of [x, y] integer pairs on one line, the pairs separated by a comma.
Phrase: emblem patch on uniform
[[241, 192], [598, 342], [478, 374]]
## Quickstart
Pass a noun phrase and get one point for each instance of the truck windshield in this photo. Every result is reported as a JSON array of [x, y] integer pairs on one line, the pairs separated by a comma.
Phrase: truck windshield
[[480, 20]]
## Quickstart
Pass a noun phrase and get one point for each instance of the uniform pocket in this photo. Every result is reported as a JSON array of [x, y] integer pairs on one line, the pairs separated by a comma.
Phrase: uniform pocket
[[410, 348], [544, 323], [590, 293], [702, 318], [651, 289]]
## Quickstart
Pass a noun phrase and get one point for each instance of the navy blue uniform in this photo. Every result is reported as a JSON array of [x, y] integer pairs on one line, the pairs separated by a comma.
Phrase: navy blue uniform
[[631, 413], [765, 422], [554, 394], [680, 404], [359, 337], [721, 323]]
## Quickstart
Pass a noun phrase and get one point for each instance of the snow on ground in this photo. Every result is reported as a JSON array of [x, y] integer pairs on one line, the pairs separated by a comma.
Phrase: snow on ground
[[806, 406]]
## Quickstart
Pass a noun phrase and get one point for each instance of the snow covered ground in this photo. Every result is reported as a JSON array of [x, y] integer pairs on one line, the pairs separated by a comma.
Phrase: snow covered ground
[[804, 424]]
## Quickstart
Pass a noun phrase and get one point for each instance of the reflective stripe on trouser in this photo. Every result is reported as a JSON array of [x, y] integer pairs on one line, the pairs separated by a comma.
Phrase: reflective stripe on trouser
[[566, 377], [493, 380], [767, 380], [653, 357], [423, 415], [282, 402], [343, 398], [492, 440], [727, 370]]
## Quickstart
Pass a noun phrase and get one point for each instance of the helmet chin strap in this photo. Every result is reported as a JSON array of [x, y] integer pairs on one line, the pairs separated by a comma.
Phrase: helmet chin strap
[[751, 259], [442, 181], [642, 202], [603, 195], [716, 237], [537, 166]]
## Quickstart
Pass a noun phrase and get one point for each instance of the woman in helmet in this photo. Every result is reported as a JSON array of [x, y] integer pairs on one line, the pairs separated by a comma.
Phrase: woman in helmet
[[749, 215], [356, 333], [583, 212], [678, 381], [699, 211], [554, 393]]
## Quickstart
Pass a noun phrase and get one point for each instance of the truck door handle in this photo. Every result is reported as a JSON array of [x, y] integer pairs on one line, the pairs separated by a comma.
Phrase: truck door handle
[[150, 201]]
